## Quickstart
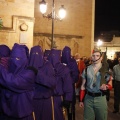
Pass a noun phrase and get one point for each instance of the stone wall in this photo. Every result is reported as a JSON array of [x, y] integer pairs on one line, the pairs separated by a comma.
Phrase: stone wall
[[75, 31], [16, 13]]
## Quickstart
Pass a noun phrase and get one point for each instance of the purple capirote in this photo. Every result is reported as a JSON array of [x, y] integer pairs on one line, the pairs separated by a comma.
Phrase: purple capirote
[[71, 63]]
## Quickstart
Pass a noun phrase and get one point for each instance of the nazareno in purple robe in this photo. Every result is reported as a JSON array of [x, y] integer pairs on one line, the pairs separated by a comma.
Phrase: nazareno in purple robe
[[4, 57], [64, 89], [71, 63], [18, 82], [45, 83]]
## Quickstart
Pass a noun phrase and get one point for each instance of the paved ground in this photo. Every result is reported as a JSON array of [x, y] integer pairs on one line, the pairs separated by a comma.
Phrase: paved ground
[[111, 116]]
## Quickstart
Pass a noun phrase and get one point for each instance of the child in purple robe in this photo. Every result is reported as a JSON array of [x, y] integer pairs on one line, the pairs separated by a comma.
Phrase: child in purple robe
[[18, 86]]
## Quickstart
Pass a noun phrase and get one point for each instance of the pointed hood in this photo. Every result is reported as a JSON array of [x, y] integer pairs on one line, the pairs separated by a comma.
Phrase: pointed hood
[[4, 55], [36, 57], [54, 56], [18, 58], [4, 51], [66, 55]]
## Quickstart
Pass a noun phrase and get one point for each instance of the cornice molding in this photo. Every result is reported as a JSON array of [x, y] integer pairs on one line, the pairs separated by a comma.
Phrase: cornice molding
[[59, 35]]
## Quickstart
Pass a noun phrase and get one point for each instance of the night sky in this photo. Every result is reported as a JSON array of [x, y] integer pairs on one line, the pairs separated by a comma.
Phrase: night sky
[[107, 16]]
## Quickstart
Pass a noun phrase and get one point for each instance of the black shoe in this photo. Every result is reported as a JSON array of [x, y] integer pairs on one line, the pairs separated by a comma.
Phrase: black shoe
[[115, 111]]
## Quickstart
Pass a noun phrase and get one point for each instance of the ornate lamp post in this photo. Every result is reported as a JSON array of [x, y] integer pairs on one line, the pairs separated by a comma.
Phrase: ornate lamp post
[[52, 15]]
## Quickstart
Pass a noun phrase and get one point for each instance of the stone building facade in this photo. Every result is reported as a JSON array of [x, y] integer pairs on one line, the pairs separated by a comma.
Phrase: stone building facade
[[23, 23], [18, 22], [75, 31]]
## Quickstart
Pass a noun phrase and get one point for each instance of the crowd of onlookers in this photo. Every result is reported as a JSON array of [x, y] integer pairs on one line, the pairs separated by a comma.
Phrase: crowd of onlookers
[[86, 61]]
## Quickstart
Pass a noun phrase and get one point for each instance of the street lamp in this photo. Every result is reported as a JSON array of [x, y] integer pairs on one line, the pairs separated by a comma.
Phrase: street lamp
[[52, 15], [99, 43]]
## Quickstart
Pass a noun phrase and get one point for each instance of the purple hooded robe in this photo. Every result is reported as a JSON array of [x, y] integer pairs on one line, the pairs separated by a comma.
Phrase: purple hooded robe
[[45, 83], [4, 57], [18, 82], [72, 64], [63, 90]]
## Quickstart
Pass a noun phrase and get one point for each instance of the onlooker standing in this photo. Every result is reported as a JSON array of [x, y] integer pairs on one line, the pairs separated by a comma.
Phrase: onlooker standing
[[81, 67], [115, 61], [116, 75]]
